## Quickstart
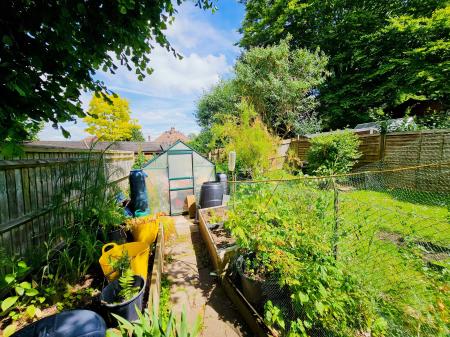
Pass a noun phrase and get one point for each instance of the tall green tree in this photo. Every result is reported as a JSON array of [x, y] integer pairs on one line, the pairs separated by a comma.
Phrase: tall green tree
[[278, 81], [51, 49], [389, 54], [137, 135]]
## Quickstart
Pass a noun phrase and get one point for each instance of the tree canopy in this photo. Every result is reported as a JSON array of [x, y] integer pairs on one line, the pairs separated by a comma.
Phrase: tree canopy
[[109, 120], [51, 49], [389, 54], [278, 81]]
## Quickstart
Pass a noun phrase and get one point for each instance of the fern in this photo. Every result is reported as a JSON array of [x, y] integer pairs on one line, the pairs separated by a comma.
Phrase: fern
[[127, 288]]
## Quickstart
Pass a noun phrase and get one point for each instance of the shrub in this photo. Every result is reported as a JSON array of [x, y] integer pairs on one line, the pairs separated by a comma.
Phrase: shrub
[[333, 153], [249, 137]]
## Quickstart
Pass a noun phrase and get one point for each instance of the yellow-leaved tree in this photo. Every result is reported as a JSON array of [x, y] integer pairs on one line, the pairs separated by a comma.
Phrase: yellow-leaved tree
[[111, 121]]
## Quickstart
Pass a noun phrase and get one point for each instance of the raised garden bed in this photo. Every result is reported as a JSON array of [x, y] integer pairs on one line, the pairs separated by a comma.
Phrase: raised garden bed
[[222, 248]]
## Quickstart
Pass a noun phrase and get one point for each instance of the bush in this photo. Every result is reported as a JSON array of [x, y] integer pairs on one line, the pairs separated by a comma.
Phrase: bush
[[333, 153], [249, 138]]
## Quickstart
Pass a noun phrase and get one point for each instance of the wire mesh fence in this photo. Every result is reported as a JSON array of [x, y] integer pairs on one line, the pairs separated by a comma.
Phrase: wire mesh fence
[[363, 254]]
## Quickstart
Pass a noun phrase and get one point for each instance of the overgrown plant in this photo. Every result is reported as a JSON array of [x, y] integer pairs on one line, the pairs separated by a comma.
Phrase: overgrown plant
[[249, 138], [333, 153]]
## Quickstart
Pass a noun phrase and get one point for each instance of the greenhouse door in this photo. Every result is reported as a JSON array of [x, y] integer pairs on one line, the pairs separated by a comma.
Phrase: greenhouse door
[[181, 178]]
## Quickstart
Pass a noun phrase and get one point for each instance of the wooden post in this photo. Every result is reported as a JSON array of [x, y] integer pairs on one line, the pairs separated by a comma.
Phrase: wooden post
[[382, 147], [336, 219]]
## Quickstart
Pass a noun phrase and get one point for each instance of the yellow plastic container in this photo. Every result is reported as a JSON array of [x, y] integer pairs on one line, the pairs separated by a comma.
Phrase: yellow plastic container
[[138, 252], [145, 231]]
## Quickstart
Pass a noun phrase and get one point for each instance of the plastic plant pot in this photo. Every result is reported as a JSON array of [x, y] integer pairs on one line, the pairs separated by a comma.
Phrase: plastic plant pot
[[252, 289], [117, 235], [125, 309]]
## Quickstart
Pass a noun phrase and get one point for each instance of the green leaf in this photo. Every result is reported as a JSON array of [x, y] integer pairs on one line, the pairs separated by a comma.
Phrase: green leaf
[[9, 330], [304, 298], [19, 290], [9, 302], [320, 307], [10, 278], [25, 285], [31, 311], [31, 292], [111, 333]]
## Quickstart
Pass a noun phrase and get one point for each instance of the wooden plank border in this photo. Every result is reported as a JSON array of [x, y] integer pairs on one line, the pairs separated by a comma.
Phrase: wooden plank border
[[220, 260], [154, 278]]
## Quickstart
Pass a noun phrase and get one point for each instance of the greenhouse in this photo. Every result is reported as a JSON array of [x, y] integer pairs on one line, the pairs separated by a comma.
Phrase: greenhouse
[[173, 175]]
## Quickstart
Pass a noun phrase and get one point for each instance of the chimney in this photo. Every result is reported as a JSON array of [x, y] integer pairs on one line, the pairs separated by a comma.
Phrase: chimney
[[149, 139]]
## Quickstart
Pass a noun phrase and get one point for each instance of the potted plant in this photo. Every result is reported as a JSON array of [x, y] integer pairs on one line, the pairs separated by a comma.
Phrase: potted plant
[[252, 274], [124, 296], [111, 219]]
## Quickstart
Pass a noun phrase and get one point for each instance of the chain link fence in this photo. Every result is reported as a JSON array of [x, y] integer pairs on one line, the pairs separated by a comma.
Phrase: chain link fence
[[362, 254]]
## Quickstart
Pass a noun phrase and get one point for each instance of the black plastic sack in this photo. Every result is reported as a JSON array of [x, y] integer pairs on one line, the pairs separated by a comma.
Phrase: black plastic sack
[[66, 324], [138, 191]]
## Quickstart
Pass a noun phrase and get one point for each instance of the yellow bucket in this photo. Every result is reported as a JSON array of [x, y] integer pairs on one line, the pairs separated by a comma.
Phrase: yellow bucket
[[138, 252], [145, 231]]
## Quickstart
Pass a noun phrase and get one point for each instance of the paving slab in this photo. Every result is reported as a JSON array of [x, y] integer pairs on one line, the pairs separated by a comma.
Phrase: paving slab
[[194, 288]]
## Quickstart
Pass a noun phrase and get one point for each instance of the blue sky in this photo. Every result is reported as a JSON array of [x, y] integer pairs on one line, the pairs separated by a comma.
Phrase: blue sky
[[168, 97]]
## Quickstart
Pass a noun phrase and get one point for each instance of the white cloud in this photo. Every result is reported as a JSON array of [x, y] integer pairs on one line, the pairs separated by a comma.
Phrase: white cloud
[[168, 96]]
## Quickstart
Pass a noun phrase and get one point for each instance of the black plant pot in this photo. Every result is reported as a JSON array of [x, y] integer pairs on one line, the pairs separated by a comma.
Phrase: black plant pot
[[252, 289], [117, 235], [126, 309]]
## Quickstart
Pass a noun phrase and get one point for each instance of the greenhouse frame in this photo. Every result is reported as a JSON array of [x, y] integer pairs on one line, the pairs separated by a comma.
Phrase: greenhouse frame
[[173, 175]]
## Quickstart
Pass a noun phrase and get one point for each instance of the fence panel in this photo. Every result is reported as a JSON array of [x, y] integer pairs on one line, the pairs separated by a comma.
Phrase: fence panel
[[37, 187]]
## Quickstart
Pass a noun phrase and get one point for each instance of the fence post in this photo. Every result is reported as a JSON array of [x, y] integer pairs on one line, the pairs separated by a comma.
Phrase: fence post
[[335, 218], [382, 146]]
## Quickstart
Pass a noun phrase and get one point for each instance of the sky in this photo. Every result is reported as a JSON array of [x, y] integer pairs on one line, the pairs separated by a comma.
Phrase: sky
[[168, 97]]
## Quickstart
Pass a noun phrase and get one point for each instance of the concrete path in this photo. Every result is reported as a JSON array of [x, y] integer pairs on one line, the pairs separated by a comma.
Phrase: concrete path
[[188, 269]]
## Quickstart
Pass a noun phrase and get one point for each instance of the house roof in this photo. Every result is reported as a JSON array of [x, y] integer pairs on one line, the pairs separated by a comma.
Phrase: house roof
[[171, 136], [86, 144]]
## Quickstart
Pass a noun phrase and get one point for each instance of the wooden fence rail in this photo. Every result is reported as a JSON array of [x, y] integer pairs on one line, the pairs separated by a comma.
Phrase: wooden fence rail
[[36, 187], [398, 149]]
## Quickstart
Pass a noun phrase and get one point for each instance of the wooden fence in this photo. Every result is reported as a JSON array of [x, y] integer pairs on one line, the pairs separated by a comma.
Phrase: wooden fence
[[398, 149], [36, 187]]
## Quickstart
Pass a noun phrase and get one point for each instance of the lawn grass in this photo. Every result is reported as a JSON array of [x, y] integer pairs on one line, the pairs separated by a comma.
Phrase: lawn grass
[[378, 244]]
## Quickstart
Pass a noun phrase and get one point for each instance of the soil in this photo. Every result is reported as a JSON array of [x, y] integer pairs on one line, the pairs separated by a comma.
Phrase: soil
[[221, 236]]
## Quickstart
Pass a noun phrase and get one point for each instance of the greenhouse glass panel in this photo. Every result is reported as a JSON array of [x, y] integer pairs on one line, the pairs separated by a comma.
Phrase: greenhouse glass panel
[[175, 174]]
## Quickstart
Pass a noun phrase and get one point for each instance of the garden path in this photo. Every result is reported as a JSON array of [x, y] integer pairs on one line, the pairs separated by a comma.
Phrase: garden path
[[192, 286]]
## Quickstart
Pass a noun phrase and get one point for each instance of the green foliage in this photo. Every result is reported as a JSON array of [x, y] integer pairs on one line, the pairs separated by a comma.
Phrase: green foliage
[[250, 139], [222, 100], [381, 284], [109, 119], [150, 325], [164, 301], [333, 153], [285, 232], [127, 288], [278, 81], [25, 299], [137, 135], [50, 58], [202, 142], [139, 160], [273, 316], [387, 54]]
